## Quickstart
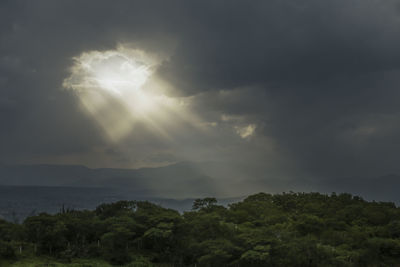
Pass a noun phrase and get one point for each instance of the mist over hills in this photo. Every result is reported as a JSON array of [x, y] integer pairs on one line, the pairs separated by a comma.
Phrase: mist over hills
[[36, 188], [29, 189], [177, 180], [189, 180]]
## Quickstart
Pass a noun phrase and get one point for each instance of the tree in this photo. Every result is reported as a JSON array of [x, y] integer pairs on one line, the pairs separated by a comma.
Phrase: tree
[[204, 203]]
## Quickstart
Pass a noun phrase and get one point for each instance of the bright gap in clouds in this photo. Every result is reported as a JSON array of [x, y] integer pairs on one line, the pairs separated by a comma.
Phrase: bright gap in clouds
[[119, 89]]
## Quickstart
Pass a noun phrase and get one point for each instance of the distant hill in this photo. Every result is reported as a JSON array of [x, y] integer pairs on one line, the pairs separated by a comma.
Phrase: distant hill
[[192, 180], [18, 202], [178, 180]]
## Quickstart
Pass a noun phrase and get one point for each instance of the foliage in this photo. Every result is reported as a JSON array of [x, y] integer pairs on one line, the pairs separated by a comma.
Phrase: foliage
[[289, 229]]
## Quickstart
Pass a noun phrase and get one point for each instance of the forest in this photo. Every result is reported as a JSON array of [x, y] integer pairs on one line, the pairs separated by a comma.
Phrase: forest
[[288, 229]]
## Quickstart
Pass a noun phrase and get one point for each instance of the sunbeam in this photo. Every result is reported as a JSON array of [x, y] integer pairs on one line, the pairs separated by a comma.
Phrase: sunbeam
[[119, 89]]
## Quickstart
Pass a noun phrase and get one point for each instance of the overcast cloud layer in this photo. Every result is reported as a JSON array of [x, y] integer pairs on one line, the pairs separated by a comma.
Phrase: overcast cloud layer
[[288, 90]]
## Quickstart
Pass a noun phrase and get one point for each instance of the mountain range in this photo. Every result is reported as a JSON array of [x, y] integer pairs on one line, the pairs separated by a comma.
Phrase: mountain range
[[178, 180], [189, 180]]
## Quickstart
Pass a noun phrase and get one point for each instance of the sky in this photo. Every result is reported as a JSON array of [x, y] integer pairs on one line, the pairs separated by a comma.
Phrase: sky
[[277, 91]]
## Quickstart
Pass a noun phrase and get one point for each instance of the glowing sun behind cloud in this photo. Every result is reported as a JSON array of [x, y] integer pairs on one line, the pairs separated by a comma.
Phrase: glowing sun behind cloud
[[118, 88]]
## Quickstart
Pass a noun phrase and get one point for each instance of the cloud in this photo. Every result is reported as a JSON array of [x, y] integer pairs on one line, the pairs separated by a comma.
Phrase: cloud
[[245, 132], [310, 88]]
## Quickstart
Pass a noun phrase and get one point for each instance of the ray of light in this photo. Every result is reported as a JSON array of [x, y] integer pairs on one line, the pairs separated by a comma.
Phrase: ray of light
[[119, 89]]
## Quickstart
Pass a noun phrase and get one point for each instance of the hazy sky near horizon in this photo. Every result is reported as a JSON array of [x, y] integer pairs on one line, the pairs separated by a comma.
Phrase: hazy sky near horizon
[[278, 89]]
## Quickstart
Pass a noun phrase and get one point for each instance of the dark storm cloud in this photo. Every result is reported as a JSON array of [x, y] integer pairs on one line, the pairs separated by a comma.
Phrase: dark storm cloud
[[318, 79], [286, 43]]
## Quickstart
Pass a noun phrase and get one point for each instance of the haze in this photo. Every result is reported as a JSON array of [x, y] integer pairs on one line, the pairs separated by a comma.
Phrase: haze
[[257, 95]]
